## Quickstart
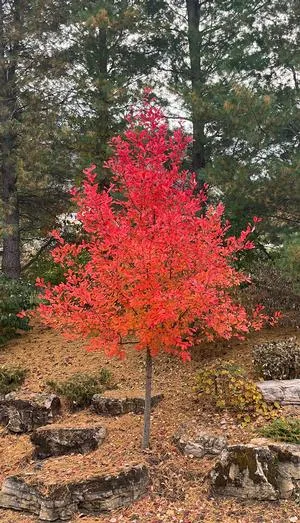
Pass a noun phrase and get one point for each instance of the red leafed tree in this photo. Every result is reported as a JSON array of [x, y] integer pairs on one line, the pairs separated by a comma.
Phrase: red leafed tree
[[155, 260]]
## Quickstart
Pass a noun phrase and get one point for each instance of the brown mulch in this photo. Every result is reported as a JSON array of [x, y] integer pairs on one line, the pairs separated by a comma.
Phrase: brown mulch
[[179, 491]]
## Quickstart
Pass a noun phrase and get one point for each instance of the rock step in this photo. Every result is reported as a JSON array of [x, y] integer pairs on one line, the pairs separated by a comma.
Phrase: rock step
[[91, 496], [263, 472], [286, 392], [25, 413], [58, 441], [200, 444], [118, 406]]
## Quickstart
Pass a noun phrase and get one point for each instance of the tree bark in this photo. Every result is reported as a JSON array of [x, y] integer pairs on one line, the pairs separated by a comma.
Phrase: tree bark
[[11, 263], [97, 61], [196, 76], [103, 93], [147, 412], [9, 116]]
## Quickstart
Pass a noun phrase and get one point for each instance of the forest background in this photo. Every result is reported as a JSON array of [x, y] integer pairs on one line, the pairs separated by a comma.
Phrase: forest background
[[227, 70]]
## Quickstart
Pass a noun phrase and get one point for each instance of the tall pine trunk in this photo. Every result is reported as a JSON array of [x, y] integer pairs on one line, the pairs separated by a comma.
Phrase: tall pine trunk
[[11, 264], [97, 62], [147, 413], [196, 76], [9, 116], [102, 103]]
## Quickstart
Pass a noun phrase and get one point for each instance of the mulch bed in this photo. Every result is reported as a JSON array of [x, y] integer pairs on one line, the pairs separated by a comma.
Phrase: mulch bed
[[179, 490]]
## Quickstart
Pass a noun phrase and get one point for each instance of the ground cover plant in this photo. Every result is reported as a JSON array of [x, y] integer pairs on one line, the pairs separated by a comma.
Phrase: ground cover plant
[[283, 429], [79, 388], [157, 259], [227, 386], [11, 378]]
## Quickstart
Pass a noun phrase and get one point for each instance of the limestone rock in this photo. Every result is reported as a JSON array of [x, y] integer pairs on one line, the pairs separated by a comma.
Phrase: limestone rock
[[286, 392], [267, 472], [24, 413], [91, 496], [117, 406], [200, 444], [57, 441], [16, 494]]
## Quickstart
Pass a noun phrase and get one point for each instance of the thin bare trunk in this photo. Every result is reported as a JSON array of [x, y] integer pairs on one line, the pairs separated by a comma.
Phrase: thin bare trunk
[[147, 413]]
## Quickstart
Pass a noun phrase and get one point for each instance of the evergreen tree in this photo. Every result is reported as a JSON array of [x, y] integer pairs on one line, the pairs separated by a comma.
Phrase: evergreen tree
[[32, 135], [236, 67], [115, 48]]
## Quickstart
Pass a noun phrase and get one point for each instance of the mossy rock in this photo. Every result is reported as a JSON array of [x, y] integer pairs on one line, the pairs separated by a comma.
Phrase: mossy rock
[[266, 472]]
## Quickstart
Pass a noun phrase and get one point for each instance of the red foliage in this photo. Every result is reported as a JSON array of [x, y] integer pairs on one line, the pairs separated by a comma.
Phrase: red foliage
[[157, 259]]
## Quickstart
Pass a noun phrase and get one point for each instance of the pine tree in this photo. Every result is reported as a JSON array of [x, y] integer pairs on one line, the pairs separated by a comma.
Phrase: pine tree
[[114, 51], [30, 122], [236, 67]]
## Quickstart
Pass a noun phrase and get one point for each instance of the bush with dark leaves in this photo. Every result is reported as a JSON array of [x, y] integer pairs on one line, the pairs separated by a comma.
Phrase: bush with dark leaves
[[15, 296], [277, 360]]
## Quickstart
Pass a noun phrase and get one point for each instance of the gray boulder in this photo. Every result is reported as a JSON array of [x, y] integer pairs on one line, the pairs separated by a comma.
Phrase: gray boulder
[[118, 406], [25, 413], [57, 441], [286, 392], [253, 471], [91, 496], [200, 444]]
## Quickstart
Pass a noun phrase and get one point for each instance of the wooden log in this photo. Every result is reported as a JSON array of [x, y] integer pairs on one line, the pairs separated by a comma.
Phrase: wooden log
[[286, 392]]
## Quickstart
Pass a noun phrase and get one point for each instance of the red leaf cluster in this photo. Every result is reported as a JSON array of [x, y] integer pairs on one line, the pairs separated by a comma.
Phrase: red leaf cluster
[[158, 258]]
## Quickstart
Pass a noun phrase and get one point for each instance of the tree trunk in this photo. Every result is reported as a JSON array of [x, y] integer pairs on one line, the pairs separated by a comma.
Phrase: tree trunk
[[103, 134], [196, 76], [147, 413], [9, 116], [97, 60], [11, 264]]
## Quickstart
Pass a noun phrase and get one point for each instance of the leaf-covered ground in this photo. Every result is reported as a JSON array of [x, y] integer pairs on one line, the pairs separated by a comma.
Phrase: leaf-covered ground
[[180, 489]]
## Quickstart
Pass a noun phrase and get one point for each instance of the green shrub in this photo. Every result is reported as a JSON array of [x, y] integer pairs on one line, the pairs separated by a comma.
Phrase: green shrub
[[288, 260], [274, 290], [80, 388], [11, 378], [277, 360], [15, 296], [226, 386], [45, 267], [283, 429]]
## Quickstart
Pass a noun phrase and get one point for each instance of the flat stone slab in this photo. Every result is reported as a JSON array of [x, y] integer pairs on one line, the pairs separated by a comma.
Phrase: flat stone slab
[[286, 392], [58, 441], [255, 471], [25, 413], [118, 406], [91, 496], [199, 444]]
